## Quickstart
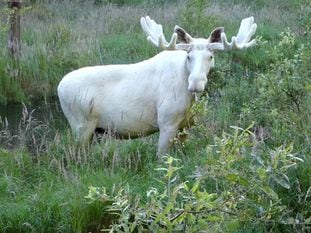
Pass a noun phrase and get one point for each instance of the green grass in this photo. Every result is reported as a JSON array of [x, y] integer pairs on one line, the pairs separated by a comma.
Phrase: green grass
[[57, 39], [46, 193], [44, 179]]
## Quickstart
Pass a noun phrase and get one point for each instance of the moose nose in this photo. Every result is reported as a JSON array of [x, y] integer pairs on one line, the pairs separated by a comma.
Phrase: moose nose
[[198, 88], [197, 84]]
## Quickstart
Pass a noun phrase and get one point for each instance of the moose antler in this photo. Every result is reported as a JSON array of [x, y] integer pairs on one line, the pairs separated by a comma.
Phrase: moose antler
[[155, 34], [241, 41]]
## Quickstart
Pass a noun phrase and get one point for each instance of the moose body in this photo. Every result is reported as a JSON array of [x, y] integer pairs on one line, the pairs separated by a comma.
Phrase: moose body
[[139, 99], [129, 100]]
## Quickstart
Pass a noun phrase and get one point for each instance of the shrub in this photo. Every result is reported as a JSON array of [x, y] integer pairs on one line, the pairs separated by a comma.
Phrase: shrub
[[282, 101], [235, 187]]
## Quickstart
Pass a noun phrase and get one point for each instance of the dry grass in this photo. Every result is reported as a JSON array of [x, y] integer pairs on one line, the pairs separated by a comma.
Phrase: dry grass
[[88, 24], [59, 37], [266, 15], [45, 178]]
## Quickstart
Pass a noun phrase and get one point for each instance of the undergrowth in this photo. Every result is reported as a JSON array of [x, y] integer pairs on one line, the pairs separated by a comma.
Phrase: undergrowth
[[245, 166]]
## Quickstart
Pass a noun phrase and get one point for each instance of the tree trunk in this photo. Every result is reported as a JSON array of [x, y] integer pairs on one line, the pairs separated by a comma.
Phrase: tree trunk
[[14, 33]]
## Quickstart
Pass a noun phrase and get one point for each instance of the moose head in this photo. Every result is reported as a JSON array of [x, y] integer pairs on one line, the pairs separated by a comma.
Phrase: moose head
[[200, 51]]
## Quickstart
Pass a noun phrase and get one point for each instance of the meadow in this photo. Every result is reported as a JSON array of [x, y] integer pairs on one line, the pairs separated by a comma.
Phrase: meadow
[[245, 167]]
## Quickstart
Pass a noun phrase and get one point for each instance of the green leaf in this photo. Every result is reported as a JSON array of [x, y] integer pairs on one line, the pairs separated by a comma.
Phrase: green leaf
[[290, 220], [170, 172], [232, 177], [243, 181], [270, 192], [214, 218], [235, 178], [308, 87], [281, 179], [186, 186], [195, 186], [160, 169], [308, 220], [170, 160]]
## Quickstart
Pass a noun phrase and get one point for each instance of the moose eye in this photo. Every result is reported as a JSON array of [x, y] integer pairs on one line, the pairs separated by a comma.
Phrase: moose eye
[[211, 57], [188, 57]]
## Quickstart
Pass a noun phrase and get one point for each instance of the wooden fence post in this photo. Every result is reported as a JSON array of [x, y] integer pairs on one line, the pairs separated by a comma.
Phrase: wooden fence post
[[14, 32]]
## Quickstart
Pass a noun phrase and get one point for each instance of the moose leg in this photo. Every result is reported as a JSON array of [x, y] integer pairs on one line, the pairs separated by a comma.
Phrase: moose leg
[[84, 132], [167, 134]]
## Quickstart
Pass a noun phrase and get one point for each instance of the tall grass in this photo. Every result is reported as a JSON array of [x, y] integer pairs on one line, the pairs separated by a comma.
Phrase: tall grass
[[59, 37], [44, 177]]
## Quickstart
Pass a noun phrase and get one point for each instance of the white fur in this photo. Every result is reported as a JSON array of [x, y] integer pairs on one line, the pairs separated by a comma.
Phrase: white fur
[[132, 100]]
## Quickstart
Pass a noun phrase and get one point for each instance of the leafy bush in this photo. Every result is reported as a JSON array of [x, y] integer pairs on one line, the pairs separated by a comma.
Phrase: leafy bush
[[282, 101], [194, 17], [247, 180], [235, 187]]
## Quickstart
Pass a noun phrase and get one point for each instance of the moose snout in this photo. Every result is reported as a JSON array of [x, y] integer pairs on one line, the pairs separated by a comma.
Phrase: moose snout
[[197, 83]]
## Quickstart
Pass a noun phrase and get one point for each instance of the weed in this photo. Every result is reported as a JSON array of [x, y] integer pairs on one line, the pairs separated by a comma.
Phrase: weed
[[224, 179], [244, 192]]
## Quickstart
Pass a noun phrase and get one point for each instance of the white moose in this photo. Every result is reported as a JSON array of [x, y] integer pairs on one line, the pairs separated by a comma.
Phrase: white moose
[[153, 95]]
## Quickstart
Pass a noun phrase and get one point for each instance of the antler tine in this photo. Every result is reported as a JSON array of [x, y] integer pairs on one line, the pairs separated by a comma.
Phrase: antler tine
[[241, 41], [155, 34]]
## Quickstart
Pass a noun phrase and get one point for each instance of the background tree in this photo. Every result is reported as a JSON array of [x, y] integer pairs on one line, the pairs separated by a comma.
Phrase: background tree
[[14, 32]]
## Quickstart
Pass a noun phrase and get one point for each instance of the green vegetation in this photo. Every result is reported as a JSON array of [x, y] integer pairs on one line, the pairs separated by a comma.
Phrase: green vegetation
[[246, 166]]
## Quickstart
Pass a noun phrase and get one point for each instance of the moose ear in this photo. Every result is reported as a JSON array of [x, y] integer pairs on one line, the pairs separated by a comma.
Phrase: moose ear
[[215, 35], [182, 35]]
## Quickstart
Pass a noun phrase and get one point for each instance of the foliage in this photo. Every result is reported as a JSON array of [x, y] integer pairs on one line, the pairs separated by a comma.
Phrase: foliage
[[244, 191], [194, 17], [281, 103], [244, 179]]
